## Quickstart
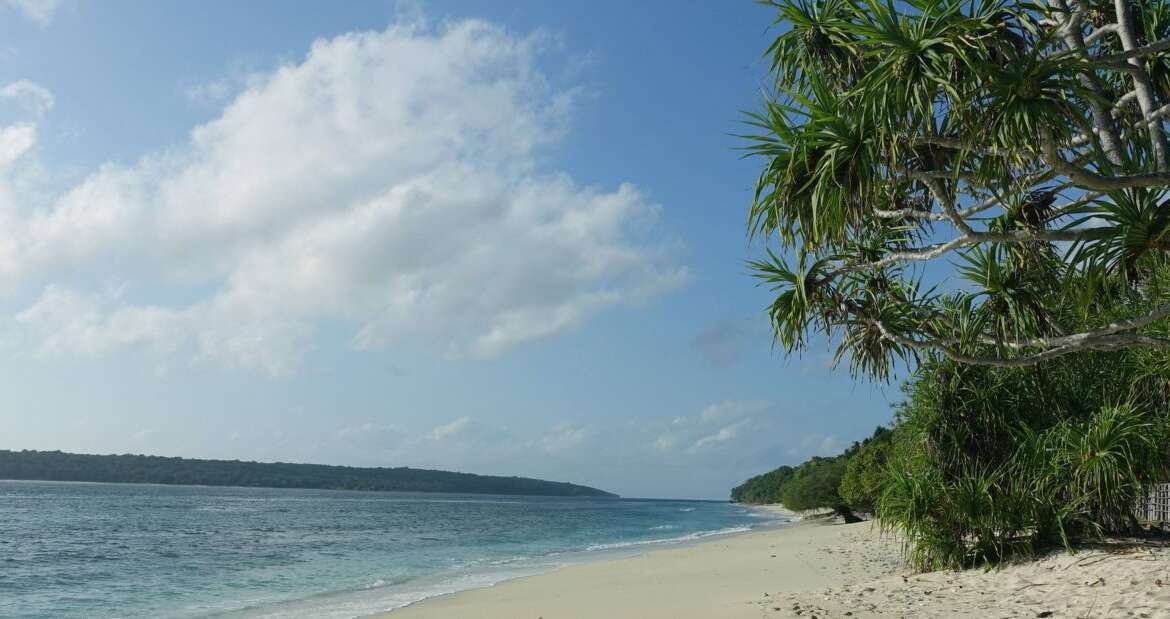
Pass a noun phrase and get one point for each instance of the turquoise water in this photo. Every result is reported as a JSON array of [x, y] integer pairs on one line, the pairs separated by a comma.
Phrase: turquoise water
[[120, 550]]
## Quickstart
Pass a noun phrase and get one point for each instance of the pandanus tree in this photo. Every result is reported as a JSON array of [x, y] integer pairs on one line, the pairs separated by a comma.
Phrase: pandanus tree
[[985, 180]]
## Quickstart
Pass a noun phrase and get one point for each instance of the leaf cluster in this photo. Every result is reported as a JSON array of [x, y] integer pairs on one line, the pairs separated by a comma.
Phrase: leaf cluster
[[898, 135]]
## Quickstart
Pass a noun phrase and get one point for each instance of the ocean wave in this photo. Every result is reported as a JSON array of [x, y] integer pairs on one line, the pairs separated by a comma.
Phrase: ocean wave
[[384, 597], [664, 527], [686, 509], [669, 540], [510, 560]]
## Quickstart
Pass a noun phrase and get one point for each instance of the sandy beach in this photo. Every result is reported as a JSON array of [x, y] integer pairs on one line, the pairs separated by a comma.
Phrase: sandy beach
[[821, 570]]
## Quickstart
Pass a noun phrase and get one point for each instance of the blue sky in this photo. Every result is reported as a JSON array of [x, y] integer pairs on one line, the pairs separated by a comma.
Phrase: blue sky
[[496, 237]]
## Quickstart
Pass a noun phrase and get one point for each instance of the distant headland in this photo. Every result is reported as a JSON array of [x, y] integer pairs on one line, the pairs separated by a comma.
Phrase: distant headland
[[140, 469]]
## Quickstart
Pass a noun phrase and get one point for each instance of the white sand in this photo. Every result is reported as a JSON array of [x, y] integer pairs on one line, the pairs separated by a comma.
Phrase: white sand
[[821, 570]]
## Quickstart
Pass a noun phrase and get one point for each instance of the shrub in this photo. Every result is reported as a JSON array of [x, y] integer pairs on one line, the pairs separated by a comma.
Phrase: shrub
[[815, 485], [865, 471], [989, 464]]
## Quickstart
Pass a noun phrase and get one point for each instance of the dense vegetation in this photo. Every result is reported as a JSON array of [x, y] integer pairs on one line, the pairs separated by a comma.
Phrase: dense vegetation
[[864, 478], [59, 466], [1019, 149], [985, 464], [763, 489], [815, 485], [992, 463], [940, 176], [820, 482]]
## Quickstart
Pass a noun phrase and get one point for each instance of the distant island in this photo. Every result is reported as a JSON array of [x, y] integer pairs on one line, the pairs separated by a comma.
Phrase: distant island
[[139, 469]]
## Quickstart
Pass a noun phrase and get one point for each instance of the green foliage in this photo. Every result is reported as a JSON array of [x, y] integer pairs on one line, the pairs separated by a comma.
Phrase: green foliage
[[844, 483], [59, 466], [900, 133], [865, 471], [989, 464], [765, 489], [815, 484]]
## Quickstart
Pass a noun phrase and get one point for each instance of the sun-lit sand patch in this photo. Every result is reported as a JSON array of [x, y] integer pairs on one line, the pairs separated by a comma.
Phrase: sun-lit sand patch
[[822, 570]]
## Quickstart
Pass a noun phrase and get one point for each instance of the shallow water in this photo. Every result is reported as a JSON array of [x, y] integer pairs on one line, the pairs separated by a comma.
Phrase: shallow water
[[121, 550]]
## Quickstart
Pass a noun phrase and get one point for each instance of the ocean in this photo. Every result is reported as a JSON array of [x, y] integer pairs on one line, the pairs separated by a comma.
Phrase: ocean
[[125, 550]]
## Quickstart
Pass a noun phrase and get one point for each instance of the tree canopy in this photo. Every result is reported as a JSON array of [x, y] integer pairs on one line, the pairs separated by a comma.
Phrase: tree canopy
[[763, 489], [865, 471], [815, 485], [965, 178]]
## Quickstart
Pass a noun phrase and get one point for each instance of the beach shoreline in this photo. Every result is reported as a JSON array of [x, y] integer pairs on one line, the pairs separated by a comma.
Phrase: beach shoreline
[[819, 568], [776, 518], [658, 582]]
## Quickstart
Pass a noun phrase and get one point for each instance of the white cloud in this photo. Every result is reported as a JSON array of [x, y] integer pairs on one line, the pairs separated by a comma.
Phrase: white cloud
[[721, 422], [394, 181], [733, 408], [215, 92], [726, 433], [716, 423], [15, 141], [563, 437], [34, 98], [447, 430], [39, 11], [81, 323]]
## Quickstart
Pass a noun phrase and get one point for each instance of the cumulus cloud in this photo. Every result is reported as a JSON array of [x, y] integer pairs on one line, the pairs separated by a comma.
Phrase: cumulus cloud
[[726, 433], [447, 430], [39, 11], [15, 141], [33, 97], [394, 181], [716, 423]]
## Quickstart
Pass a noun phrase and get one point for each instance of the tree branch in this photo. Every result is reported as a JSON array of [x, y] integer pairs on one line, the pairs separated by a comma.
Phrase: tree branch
[[1130, 53], [1141, 79], [914, 255], [948, 205], [1091, 180], [1103, 125], [1158, 115], [933, 216], [1107, 29], [1107, 338]]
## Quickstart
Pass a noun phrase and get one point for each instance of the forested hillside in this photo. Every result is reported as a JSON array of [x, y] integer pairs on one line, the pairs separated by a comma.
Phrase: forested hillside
[[763, 489], [60, 466]]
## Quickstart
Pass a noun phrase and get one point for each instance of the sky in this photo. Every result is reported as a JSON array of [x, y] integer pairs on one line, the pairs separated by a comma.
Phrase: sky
[[503, 238]]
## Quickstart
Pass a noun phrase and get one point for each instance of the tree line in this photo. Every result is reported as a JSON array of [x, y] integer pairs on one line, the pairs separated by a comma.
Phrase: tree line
[[847, 483], [61, 466]]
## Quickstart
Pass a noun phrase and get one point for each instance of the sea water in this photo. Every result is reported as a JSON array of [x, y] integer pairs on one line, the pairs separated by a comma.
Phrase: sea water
[[125, 550]]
